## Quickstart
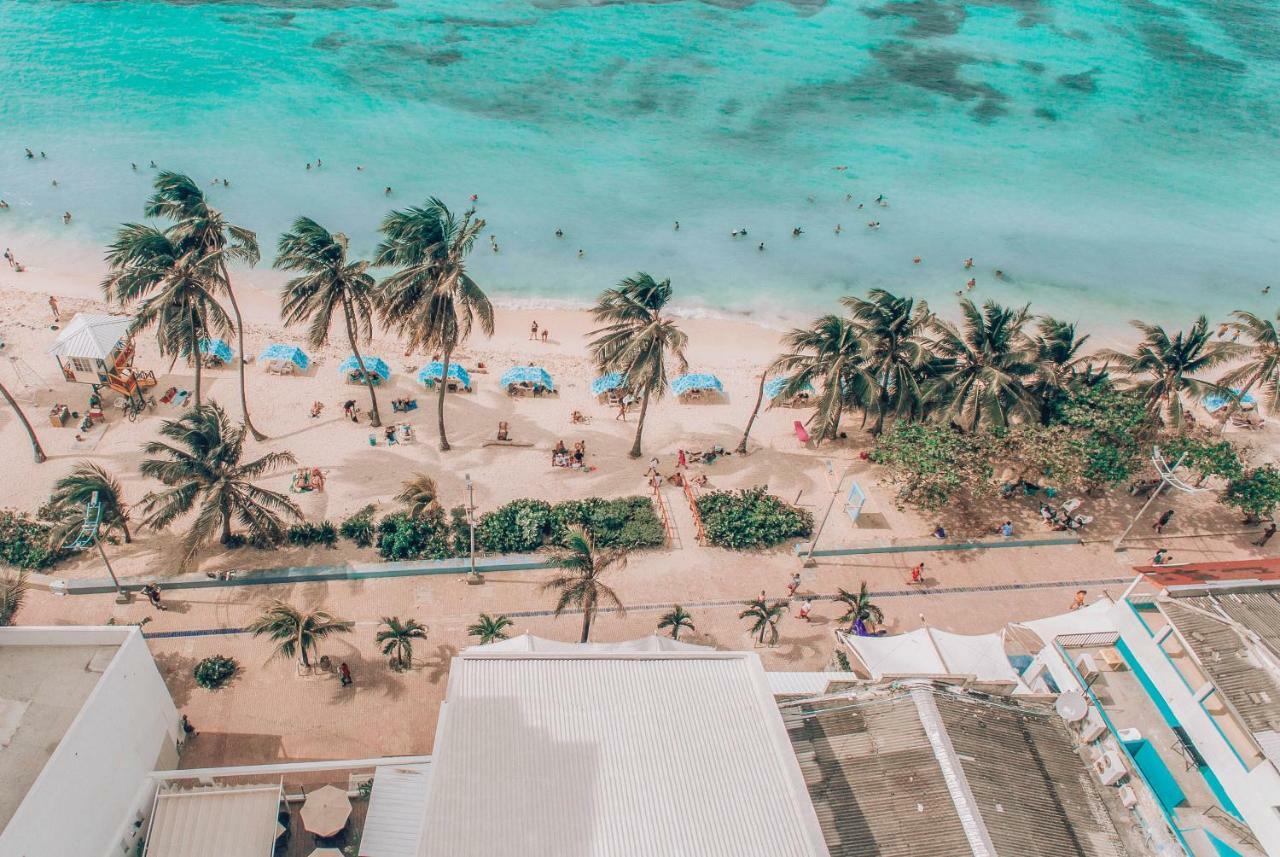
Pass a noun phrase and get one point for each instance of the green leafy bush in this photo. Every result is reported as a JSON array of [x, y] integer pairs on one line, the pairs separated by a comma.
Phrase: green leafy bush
[[520, 526], [400, 537], [932, 462], [359, 527], [629, 522], [1256, 494], [24, 542], [460, 530], [213, 672], [308, 534], [751, 518]]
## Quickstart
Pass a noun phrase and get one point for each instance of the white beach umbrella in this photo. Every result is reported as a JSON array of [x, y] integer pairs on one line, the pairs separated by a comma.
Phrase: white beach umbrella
[[326, 811]]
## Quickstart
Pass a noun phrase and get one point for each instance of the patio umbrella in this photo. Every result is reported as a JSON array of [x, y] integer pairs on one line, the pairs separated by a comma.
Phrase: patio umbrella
[[326, 811]]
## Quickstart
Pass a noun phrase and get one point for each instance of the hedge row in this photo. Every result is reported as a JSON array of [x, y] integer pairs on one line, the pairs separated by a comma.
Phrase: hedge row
[[751, 518]]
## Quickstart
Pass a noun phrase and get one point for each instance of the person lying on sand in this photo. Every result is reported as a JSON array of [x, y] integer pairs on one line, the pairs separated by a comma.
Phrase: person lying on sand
[[316, 408]]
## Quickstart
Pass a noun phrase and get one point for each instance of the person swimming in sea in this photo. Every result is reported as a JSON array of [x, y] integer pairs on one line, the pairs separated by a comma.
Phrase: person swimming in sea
[[559, 233], [66, 217], [881, 201], [153, 165], [387, 191], [797, 232], [761, 247], [580, 253], [968, 263], [133, 166], [30, 154], [677, 229], [1266, 290], [839, 229], [308, 165], [972, 282], [873, 224]]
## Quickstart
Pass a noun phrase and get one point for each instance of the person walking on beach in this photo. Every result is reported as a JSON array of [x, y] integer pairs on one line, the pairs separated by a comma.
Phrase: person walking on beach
[[1266, 535], [805, 607], [1161, 557], [682, 462], [344, 673], [1163, 521], [545, 334], [793, 585], [622, 411], [53, 307], [533, 330], [152, 591]]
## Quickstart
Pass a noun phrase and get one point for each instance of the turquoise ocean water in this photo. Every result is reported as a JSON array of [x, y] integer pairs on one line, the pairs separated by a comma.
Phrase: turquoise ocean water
[[1113, 158]]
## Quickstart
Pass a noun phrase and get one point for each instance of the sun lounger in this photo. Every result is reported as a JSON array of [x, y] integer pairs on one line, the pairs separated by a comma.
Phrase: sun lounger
[[180, 400], [168, 395], [801, 434]]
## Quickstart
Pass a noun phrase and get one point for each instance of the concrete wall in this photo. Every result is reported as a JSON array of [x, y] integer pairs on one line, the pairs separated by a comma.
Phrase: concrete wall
[[87, 797], [1255, 793]]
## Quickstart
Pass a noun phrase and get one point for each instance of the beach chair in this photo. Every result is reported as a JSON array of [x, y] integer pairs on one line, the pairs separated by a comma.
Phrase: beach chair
[[801, 434], [168, 395]]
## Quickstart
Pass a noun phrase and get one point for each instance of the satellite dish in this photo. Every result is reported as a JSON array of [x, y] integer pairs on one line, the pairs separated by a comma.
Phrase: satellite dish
[[1072, 706]]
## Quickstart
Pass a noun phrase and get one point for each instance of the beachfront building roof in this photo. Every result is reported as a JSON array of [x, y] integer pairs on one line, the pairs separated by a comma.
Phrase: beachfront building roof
[[978, 659], [430, 374], [608, 383], [923, 771], [215, 821], [218, 349], [696, 381], [376, 366], [281, 358], [531, 376], [774, 387], [92, 337], [84, 719], [651, 748]]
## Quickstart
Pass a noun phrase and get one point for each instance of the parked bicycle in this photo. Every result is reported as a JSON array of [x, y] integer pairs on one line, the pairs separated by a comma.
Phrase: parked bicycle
[[132, 407]]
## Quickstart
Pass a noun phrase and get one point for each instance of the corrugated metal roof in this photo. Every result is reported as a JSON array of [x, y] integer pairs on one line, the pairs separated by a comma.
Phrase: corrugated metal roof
[[231, 821], [397, 808], [614, 753], [806, 684], [91, 336]]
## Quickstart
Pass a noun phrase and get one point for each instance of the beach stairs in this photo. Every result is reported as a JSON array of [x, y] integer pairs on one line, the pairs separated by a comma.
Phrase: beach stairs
[[89, 527], [663, 506]]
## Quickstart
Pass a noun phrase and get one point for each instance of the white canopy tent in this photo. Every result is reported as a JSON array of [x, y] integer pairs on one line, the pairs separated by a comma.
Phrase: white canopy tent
[[931, 652], [221, 821], [1094, 618]]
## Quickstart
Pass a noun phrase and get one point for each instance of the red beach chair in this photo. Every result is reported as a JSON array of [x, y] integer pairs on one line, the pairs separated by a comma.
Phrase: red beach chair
[[801, 434]]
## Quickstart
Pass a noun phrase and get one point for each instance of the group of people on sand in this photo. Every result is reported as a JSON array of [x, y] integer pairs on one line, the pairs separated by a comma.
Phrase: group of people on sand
[[562, 457], [655, 478]]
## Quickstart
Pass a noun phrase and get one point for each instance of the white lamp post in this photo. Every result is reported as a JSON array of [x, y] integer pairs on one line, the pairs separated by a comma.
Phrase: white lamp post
[[473, 577]]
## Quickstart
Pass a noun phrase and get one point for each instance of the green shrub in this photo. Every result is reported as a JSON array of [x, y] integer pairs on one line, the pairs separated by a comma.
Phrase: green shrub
[[308, 534], [520, 526], [24, 541], [843, 660], [359, 527], [213, 672], [751, 518], [460, 531], [629, 522], [400, 537], [1256, 494]]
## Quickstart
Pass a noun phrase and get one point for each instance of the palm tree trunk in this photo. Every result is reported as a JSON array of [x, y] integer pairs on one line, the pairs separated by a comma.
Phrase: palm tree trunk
[[878, 428], [375, 419], [36, 449], [235, 309], [586, 624], [742, 445], [124, 527], [306, 661], [444, 385], [644, 409], [195, 355]]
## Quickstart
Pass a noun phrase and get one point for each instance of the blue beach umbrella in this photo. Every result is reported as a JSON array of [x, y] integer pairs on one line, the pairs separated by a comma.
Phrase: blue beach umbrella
[[216, 348], [430, 374], [528, 375], [1216, 400], [280, 353], [696, 381], [605, 383], [375, 365], [774, 387]]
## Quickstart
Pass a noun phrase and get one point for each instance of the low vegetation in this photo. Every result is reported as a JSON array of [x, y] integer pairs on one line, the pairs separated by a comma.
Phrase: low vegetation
[[751, 518], [24, 542], [215, 671]]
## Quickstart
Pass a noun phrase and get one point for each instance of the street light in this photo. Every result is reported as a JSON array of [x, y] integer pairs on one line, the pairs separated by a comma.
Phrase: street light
[[473, 577], [1169, 477]]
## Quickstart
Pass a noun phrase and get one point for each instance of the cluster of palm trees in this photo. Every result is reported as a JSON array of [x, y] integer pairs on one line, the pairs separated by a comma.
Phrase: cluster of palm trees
[[890, 356]]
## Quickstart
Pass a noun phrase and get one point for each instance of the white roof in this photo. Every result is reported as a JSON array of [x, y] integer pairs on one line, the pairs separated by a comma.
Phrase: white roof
[[397, 809], [651, 643], [805, 684], [929, 651], [614, 750], [1093, 618], [233, 821], [91, 336]]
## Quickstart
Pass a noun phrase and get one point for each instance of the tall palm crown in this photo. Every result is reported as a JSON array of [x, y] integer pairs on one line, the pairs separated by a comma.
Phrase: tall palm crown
[[676, 620], [579, 581], [1261, 355], [73, 492], [420, 494], [894, 350], [397, 638], [199, 227], [859, 607], [172, 288], [329, 282], [829, 355], [764, 619], [1163, 367], [985, 365], [201, 463], [297, 634], [1058, 360], [489, 629], [636, 339], [431, 300]]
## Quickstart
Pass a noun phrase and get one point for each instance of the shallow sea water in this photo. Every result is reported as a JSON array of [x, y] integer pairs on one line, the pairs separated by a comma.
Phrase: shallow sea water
[[1113, 158]]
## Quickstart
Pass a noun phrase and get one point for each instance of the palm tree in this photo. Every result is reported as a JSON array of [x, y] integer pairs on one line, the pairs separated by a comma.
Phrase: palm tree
[[742, 444], [894, 350], [431, 299], [397, 639], [172, 287], [1261, 365], [36, 449], [13, 590], [72, 493], [330, 281], [579, 582], [636, 339], [828, 355], [419, 494], [489, 629], [1058, 361], [677, 619], [764, 619], [859, 608], [984, 366], [200, 227], [201, 463], [297, 634], [1163, 367]]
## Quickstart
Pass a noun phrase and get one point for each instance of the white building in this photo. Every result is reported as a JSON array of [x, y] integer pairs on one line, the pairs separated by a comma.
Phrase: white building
[[84, 719]]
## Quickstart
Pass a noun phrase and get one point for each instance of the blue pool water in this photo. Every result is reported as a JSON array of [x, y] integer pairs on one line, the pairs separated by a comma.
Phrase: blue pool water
[[1114, 157]]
